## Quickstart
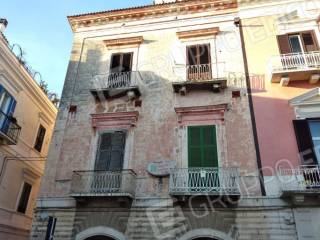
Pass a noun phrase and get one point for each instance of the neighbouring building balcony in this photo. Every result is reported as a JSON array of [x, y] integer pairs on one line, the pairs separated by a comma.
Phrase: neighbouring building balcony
[[204, 181], [103, 183], [294, 67], [116, 84], [9, 130], [304, 179], [201, 77]]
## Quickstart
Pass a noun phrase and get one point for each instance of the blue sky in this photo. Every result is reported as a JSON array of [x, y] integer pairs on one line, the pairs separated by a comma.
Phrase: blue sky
[[41, 28]]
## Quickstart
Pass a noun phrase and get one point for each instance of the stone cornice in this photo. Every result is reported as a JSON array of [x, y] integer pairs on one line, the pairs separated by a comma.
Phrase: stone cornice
[[136, 13], [123, 41], [207, 114], [116, 120], [198, 33]]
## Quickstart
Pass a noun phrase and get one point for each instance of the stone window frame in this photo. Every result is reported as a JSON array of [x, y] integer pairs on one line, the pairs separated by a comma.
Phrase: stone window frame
[[30, 177], [217, 112], [205, 232]]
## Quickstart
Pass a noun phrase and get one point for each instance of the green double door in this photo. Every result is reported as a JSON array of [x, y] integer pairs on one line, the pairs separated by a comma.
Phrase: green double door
[[202, 158]]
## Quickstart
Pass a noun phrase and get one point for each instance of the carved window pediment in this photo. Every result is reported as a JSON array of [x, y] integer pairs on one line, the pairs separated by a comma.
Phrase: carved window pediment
[[198, 33], [116, 120], [201, 114]]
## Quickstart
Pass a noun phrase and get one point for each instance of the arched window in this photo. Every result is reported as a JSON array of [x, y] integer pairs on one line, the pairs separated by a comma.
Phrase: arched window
[[205, 234], [99, 238], [100, 233]]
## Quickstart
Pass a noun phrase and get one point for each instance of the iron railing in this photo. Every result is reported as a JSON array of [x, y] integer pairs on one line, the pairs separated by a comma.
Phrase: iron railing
[[295, 61], [303, 178], [9, 128], [201, 72], [117, 80], [103, 183], [211, 181]]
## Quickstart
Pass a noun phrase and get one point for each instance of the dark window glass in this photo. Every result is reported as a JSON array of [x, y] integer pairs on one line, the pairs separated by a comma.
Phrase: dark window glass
[[204, 54], [40, 138], [295, 44], [126, 62], [116, 63], [24, 198], [192, 55]]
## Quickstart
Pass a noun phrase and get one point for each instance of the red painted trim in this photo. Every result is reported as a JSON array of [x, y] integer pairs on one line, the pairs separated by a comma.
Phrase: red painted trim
[[114, 120], [212, 114]]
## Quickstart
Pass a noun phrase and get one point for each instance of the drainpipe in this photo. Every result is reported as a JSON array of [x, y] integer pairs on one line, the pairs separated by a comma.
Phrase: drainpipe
[[238, 23]]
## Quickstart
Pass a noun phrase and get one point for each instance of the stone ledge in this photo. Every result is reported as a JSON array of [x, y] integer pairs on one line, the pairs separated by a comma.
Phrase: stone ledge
[[56, 202]]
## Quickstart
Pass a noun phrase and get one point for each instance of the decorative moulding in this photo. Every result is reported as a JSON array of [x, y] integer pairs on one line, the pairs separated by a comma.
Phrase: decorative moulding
[[45, 118], [123, 41], [151, 11], [30, 175], [116, 120], [201, 114], [308, 98], [198, 33]]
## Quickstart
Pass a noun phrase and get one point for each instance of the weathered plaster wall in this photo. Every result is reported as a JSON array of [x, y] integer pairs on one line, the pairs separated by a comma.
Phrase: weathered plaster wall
[[155, 136]]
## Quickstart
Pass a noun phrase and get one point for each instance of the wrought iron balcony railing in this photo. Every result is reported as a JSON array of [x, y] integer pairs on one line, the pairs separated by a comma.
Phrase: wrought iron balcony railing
[[9, 129], [117, 80], [204, 181], [303, 178], [201, 72], [103, 183], [295, 62]]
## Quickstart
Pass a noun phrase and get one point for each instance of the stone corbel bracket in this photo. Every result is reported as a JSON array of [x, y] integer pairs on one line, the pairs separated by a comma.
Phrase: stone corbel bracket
[[115, 120], [201, 114]]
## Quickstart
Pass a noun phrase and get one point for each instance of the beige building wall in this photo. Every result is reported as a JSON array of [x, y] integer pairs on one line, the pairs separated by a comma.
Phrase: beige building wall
[[22, 162]]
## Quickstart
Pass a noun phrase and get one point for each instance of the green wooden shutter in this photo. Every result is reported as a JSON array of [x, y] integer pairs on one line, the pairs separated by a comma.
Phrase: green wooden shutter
[[209, 147], [194, 146], [202, 146]]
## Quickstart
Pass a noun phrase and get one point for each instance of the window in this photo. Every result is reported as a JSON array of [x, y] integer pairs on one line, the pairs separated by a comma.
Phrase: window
[[121, 62], [297, 42], [198, 62], [202, 158], [202, 146], [120, 70], [111, 151], [7, 107], [40, 138], [24, 198], [308, 139]]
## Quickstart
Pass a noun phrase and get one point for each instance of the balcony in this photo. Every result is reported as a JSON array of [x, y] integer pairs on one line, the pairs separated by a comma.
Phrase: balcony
[[117, 84], [303, 180], [294, 67], [200, 77], [103, 184], [9, 130], [204, 181]]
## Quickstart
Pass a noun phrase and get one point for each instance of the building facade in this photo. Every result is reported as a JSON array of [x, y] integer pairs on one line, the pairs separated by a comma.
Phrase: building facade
[[27, 117], [286, 102], [154, 137]]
